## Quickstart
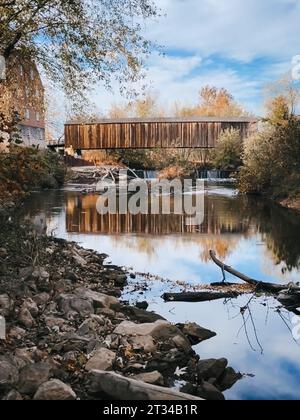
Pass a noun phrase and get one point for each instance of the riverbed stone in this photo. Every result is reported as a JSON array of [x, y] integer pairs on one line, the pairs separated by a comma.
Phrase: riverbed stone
[[9, 375], [32, 376], [70, 304], [31, 306], [195, 333], [229, 378], [99, 300], [158, 330], [211, 368], [42, 298], [25, 318], [102, 359], [144, 343], [55, 390], [13, 395], [153, 378], [209, 392]]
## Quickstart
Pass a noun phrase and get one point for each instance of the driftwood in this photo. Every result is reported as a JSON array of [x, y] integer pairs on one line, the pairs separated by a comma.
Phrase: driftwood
[[116, 387], [198, 296], [259, 285]]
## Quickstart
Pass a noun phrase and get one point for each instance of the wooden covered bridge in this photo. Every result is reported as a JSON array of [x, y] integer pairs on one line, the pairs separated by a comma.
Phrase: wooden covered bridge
[[153, 133]]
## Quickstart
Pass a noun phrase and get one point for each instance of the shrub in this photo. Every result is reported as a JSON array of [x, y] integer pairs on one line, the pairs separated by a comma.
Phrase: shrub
[[228, 152]]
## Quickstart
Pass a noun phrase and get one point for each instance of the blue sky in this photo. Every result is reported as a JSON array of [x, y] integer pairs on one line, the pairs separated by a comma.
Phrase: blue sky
[[238, 44]]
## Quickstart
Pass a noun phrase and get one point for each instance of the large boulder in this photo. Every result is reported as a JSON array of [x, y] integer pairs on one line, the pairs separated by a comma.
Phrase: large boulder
[[55, 390], [103, 359], [115, 387]]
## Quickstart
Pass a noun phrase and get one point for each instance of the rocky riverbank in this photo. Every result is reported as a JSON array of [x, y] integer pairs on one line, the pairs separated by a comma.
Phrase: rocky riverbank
[[68, 333]]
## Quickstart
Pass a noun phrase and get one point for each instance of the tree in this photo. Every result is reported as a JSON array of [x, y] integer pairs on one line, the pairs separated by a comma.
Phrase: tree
[[228, 152], [78, 42], [213, 102], [272, 156]]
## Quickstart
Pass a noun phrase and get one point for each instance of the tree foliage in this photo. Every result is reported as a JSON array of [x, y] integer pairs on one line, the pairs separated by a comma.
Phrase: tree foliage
[[213, 102], [272, 156], [78, 42], [228, 152]]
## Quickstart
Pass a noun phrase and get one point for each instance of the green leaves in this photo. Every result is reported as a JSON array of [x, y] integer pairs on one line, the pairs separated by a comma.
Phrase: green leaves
[[78, 42]]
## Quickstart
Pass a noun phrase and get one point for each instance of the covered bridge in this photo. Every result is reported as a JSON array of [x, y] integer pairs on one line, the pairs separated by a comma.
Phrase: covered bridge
[[153, 133]]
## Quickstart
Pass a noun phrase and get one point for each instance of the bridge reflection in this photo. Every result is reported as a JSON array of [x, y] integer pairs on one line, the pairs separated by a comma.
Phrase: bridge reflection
[[82, 217]]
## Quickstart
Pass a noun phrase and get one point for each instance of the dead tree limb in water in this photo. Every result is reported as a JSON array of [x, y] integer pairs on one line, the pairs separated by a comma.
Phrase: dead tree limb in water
[[259, 285], [198, 297]]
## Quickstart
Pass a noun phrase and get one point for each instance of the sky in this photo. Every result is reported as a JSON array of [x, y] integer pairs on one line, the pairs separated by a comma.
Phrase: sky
[[240, 45]]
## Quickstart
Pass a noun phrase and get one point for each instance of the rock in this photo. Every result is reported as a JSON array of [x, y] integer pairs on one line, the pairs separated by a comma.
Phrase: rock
[[111, 386], [32, 376], [140, 315], [158, 330], [103, 359], [13, 395], [142, 305], [3, 253], [25, 318], [211, 368], [69, 304], [52, 322], [41, 275], [9, 375], [6, 305], [79, 260], [154, 378], [99, 300], [145, 343], [55, 390], [31, 306], [133, 276], [42, 298], [195, 333], [17, 333], [209, 392], [229, 378], [22, 358], [181, 343]]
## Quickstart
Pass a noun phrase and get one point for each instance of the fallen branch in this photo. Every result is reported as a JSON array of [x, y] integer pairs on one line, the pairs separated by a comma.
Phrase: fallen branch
[[198, 297], [259, 285]]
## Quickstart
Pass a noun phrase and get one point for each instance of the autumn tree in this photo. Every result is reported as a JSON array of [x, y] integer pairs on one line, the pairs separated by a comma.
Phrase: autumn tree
[[78, 42], [213, 102]]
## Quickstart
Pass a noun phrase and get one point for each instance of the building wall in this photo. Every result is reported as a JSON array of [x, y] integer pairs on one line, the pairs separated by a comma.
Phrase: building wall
[[23, 92]]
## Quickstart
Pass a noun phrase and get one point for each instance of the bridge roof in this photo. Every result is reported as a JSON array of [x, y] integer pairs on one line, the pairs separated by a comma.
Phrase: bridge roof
[[167, 120]]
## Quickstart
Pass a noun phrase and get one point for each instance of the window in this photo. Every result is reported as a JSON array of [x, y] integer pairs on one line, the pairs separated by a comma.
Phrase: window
[[27, 114], [38, 116]]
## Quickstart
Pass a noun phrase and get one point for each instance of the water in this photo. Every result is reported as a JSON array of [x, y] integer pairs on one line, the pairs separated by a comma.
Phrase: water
[[252, 235]]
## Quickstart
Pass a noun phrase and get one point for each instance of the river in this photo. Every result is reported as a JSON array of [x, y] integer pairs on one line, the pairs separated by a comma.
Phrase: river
[[256, 237]]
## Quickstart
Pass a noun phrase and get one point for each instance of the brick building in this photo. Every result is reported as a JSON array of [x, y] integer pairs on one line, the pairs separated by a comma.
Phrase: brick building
[[23, 91]]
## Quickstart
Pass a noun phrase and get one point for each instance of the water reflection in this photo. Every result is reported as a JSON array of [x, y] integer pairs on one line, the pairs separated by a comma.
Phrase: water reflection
[[225, 217], [257, 237]]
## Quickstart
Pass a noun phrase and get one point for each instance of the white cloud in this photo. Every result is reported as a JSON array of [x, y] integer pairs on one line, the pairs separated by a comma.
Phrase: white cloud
[[196, 34], [232, 28]]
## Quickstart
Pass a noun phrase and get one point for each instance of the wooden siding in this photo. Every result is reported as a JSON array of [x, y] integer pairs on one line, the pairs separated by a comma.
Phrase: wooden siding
[[149, 134]]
